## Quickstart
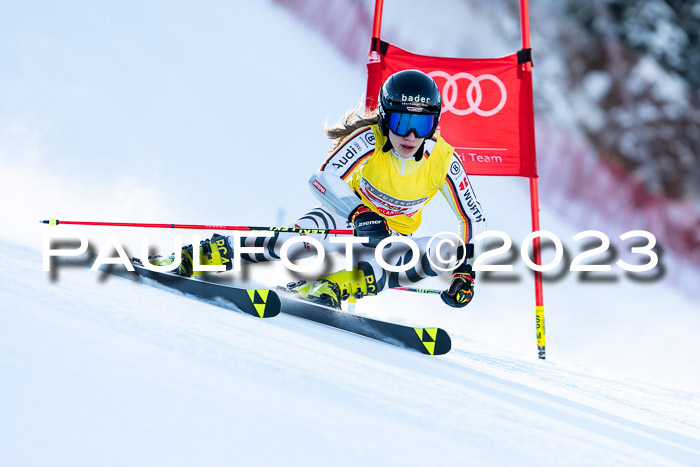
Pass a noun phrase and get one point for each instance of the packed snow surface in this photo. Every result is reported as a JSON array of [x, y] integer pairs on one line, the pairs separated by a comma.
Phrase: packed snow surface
[[100, 370]]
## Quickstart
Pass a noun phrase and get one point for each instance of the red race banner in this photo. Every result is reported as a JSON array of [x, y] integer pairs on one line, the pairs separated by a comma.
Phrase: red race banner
[[487, 110]]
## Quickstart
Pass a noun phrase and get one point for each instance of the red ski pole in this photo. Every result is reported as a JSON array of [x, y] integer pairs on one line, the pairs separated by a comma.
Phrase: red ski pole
[[418, 290], [245, 228]]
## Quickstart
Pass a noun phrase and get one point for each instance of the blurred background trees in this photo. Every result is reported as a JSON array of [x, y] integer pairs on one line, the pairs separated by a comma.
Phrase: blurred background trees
[[638, 63]]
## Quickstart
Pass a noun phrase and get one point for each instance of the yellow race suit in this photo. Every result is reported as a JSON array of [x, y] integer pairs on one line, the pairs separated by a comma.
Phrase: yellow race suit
[[398, 189]]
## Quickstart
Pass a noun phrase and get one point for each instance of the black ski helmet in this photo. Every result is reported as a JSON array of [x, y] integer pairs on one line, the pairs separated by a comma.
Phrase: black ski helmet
[[408, 91]]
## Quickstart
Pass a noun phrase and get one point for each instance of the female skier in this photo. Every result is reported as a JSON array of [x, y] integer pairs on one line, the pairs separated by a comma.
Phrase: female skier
[[382, 171]]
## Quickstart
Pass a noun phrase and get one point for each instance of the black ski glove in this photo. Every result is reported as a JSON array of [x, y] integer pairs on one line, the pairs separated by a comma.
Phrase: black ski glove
[[461, 290], [368, 223]]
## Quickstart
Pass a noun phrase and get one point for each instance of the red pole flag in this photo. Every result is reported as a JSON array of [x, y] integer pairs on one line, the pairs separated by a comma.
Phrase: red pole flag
[[487, 112], [487, 115]]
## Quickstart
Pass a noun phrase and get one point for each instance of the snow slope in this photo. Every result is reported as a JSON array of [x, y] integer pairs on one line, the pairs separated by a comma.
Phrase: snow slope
[[102, 370], [145, 113]]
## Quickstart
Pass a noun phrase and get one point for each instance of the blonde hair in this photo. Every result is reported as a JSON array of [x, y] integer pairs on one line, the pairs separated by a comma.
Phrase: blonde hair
[[353, 119]]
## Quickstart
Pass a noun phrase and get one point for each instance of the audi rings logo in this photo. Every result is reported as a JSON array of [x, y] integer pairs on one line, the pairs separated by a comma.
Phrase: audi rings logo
[[474, 93]]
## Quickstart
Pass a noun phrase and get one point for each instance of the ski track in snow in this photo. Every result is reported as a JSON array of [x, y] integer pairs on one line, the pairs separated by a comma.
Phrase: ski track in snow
[[99, 369]]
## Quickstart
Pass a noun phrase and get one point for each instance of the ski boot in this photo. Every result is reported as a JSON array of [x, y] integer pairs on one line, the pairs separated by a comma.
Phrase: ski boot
[[215, 251], [331, 289]]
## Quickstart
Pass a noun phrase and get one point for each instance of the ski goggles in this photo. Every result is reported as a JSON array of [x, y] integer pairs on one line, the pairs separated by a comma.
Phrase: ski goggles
[[402, 124]]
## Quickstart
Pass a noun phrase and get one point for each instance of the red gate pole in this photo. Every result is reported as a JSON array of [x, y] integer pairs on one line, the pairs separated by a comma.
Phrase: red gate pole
[[534, 205], [377, 24], [374, 56]]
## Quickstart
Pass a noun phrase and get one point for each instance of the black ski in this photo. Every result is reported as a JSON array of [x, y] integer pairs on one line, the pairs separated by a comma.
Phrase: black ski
[[265, 303], [262, 303], [430, 341]]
